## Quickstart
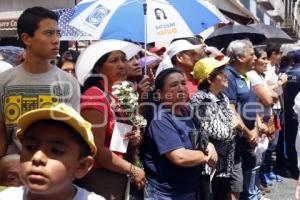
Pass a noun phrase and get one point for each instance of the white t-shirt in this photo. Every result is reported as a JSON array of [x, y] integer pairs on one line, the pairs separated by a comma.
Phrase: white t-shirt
[[19, 193], [272, 77], [256, 79]]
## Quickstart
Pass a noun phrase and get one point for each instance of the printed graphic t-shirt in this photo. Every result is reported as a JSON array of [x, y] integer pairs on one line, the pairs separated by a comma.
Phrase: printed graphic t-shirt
[[21, 91]]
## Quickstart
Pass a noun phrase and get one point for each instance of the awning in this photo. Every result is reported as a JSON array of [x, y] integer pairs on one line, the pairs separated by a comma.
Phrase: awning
[[238, 18], [8, 27], [8, 23], [235, 10]]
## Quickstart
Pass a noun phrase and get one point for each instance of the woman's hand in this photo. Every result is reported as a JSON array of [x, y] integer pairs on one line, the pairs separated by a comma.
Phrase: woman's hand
[[237, 122], [212, 155], [282, 79], [271, 137], [262, 128], [138, 176], [144, 87], [134, 137]]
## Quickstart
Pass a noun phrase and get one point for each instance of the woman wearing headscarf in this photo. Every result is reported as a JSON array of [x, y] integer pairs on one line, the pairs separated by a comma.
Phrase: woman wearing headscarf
[[169, 159], [99, 67]]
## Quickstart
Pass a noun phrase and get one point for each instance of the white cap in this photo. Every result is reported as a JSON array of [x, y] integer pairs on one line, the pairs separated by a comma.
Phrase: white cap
[[180, 45], [166, 63]]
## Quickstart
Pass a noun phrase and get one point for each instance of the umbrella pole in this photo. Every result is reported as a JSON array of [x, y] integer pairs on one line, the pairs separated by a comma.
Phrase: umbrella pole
[[145, 34], [76, 42]]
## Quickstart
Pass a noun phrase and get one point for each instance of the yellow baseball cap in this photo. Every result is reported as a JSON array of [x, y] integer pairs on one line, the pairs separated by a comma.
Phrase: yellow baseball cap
[[63, 113], [205, 66]]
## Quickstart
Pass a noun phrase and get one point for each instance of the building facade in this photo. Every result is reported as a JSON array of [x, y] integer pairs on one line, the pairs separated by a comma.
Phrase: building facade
[[10, 10], [284, 14]]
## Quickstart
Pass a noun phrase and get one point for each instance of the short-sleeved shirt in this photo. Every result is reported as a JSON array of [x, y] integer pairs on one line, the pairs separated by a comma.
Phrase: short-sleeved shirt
[[272, 77], [19, 193], [240, 93], [162, 137], [21, 91], [257, 79], [95, 98]]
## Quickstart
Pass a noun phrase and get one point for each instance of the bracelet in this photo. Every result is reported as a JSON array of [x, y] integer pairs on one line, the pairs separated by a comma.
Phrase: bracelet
[[132, 172]]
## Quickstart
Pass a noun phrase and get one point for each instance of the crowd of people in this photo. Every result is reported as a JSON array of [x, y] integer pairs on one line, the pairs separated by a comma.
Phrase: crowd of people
[[213, 118]]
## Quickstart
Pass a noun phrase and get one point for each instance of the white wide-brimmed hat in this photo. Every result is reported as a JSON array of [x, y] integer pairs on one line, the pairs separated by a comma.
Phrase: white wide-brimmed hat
[[95, 51]]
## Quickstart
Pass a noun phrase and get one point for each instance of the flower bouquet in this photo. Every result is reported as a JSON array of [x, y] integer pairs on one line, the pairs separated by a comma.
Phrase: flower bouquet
[[128, 103]]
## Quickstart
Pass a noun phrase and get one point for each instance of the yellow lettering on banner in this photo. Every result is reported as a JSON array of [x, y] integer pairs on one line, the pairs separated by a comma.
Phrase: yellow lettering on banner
[[167, 31]]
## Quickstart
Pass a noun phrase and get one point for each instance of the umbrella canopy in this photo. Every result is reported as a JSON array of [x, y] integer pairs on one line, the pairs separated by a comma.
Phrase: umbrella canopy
[[88, 58], [273, 34], [222, 37], [124, 19], [11, 53], [69, 32]]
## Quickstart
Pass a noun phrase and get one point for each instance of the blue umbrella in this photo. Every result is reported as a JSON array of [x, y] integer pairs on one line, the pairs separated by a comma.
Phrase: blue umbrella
[[143, 20], [69, 32], [10, 53]]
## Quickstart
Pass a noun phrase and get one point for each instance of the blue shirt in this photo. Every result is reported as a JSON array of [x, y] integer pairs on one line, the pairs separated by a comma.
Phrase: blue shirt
[[291, 89], [165, 134], [240, 93]]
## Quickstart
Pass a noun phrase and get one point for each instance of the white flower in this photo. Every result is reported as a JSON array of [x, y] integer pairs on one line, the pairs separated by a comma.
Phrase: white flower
[[128, 100]]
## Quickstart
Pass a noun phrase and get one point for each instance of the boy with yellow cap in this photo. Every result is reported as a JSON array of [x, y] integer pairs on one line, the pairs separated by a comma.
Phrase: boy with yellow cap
[[57, 147]]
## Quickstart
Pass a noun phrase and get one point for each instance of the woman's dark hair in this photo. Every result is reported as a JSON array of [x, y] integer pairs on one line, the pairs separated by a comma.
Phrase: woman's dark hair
[[93, 80], [287, 60], [160, 81], [69, 55], [157, 16], [204, 85], [272, 47], [258, 51]]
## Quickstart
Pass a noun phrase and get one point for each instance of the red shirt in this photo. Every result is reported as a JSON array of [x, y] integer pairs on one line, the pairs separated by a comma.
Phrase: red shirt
[[94, 98], [192, 86]]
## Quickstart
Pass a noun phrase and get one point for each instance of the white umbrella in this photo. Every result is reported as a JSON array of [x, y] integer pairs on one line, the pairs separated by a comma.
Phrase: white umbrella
[[69, 32], [144, 20]]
